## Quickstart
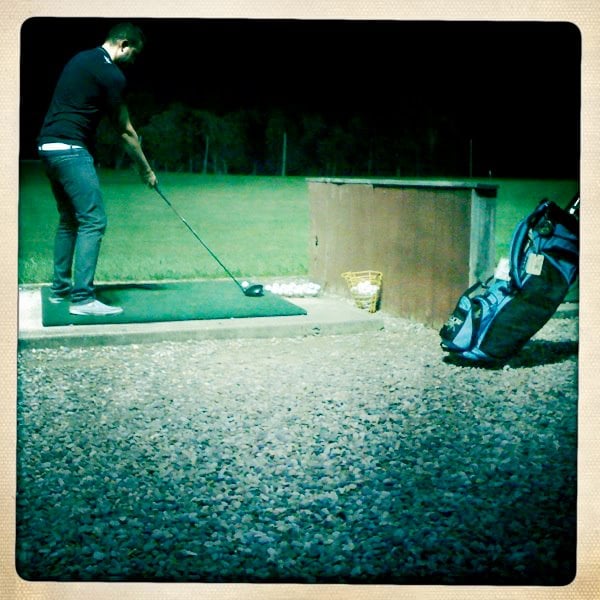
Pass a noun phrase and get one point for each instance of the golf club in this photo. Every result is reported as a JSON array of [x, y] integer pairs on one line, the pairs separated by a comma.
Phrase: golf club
[[251, 290]]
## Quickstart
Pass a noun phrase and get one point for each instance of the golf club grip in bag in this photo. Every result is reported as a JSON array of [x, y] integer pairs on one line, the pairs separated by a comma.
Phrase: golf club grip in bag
[[493, 320]]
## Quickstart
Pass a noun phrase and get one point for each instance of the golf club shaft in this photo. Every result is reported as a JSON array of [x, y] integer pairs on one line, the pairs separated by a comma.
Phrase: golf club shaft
[[198, 237]]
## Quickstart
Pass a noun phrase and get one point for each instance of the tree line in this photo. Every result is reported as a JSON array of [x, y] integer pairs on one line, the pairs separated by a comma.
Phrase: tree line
[[182, 138]]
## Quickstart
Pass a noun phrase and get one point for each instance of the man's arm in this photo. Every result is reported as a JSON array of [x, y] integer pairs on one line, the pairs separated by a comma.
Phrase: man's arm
[[131, 143]]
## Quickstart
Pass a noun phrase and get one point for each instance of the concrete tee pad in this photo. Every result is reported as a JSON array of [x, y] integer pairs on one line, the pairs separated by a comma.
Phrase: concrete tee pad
[[325, 316]]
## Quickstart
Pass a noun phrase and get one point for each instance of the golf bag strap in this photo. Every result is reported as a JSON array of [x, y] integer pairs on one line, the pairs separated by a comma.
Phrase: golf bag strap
[[475, 286]]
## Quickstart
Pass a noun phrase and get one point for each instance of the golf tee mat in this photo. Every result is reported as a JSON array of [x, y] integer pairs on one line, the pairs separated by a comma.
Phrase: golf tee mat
[[176, 301]]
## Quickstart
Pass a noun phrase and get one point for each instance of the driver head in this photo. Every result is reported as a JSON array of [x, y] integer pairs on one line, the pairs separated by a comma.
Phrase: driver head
[[254, 290]]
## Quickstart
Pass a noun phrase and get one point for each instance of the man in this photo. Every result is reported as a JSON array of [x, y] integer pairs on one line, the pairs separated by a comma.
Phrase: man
[[90, 87]]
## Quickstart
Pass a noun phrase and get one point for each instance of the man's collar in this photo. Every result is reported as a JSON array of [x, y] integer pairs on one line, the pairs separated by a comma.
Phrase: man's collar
[[107, 57]]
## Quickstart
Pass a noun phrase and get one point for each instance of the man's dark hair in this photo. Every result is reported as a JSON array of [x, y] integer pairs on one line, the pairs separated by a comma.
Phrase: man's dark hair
[[126, 31]]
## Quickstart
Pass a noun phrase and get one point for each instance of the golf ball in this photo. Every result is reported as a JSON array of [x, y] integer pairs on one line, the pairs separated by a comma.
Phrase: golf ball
[[245, 284]]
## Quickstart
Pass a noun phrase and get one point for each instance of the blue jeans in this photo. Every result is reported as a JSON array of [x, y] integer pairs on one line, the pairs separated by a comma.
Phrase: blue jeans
[[82, 221]]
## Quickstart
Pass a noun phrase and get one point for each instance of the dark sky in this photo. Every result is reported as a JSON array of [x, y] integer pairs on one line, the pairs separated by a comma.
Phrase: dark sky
[[514, 87]]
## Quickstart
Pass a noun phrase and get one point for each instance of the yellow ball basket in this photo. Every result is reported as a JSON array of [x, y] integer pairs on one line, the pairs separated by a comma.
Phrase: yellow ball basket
[[364, 297]]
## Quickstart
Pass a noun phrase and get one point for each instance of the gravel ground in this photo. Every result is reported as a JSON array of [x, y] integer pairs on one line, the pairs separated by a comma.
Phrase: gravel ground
[[360, 458]]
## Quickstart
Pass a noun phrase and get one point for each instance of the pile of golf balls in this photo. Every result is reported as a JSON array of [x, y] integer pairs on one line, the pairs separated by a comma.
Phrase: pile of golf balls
[[365, 288], [298, 290]]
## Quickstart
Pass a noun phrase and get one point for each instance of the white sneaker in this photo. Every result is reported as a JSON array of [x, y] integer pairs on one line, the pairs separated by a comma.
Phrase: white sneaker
[[94, 308]]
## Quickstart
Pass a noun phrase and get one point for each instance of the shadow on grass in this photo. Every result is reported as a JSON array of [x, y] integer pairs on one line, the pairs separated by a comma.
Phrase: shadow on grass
[[535, 353]]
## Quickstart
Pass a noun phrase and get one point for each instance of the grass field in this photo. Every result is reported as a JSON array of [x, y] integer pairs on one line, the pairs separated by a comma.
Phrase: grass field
[[258, 226]]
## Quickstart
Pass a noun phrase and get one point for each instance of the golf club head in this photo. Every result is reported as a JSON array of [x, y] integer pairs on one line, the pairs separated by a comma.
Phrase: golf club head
[[254, 290]]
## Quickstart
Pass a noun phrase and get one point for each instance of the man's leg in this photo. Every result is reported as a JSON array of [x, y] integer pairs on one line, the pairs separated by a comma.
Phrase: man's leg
[[78, 179], [89, 209], [64, 243], [80, 191]]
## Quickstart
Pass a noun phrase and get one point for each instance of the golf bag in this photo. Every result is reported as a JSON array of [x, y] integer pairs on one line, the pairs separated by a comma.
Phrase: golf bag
[[493, 320]]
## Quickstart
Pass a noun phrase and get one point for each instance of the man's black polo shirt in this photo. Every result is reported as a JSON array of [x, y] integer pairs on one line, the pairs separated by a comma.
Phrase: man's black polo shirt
[[90, 86]]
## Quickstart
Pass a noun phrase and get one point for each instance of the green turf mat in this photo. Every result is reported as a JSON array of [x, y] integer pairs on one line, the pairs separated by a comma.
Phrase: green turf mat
[[178, 301]]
